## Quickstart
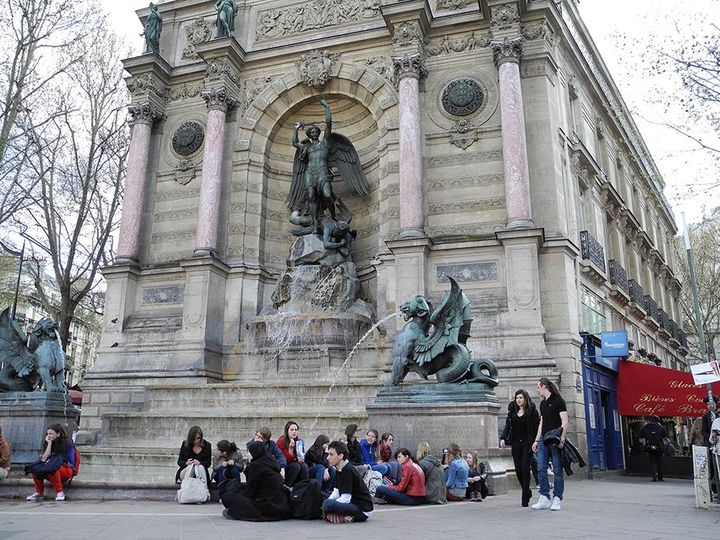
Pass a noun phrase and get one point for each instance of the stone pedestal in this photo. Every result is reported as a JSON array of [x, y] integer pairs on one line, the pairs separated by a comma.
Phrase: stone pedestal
[[465, 414], [26, 417]]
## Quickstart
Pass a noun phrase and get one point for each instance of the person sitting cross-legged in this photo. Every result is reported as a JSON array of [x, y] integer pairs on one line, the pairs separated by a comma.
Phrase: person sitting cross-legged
[[350, 499], [411, 489]]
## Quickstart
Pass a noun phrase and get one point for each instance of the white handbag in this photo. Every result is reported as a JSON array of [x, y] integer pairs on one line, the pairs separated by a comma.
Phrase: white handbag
[[193, 489]]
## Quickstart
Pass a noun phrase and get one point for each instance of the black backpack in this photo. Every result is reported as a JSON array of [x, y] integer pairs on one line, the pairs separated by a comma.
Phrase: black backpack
[[306, 500]]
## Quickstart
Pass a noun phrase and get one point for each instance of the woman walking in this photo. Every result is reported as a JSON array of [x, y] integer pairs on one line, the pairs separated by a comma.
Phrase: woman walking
[[521, 426]]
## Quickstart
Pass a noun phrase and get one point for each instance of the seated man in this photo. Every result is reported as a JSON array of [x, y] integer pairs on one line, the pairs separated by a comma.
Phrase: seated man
[[263, 435], [350, 499], [5, 454]]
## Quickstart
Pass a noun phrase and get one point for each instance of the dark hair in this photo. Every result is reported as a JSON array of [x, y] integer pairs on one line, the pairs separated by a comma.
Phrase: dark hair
[[59, 447], [226, 447], [194, 432], [320, 441], [286, 437], [340, 448], [404, 451], [547, 383], [528, 401], [377, 435], [265, 433], [350, 431]]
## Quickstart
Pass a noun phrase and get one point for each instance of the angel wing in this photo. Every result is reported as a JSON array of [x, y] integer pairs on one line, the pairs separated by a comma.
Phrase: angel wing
[[344, 157], [296, 197], [447, 321], [12, 346]]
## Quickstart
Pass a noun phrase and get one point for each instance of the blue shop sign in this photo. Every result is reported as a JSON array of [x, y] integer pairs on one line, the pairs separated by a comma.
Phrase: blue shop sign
[[614, 344]]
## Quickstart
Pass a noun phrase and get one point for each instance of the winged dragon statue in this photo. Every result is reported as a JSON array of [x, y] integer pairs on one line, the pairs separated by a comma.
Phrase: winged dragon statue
[[30, 361], [443, 352], [311, 193]]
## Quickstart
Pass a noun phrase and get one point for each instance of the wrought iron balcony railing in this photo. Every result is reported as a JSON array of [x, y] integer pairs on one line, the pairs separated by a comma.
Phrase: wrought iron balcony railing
[[651, 307], [591, 250], [673, 328], [618, 276], [663, 319], [637, 294]]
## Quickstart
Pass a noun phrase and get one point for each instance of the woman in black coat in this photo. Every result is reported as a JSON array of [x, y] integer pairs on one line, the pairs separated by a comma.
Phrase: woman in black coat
[[195, 450], [264, 497], [520, 430]]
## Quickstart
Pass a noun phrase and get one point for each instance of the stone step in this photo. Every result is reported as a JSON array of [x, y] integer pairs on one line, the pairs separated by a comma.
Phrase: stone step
[[234, 396], [166, 429]]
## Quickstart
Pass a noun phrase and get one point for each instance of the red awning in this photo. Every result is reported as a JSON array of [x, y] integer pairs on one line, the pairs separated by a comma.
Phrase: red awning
[[76, 397], [645, 390]]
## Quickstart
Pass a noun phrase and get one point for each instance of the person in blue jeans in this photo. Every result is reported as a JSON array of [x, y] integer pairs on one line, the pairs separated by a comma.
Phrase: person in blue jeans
[[368, 451], [316, 461], [553, 415], [350, 499], [456, 475], [411, 489]]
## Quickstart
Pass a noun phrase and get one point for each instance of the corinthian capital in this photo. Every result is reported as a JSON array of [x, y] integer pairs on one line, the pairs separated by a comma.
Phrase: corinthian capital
[[507, 50], [409, 65], [218, 99], [144, 113]]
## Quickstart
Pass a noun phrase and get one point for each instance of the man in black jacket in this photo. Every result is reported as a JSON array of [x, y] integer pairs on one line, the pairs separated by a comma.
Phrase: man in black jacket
[[653, 435], [350, 499]]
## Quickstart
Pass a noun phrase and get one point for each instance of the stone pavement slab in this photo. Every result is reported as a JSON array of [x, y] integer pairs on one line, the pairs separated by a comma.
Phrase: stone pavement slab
[[607, 508]]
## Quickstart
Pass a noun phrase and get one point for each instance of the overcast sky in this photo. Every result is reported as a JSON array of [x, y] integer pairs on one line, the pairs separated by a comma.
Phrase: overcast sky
[[622, 31]]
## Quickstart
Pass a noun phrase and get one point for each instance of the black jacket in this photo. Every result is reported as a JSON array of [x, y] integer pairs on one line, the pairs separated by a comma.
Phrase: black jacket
[[204, 457], [569, 454], [533, 421], [264, 497]]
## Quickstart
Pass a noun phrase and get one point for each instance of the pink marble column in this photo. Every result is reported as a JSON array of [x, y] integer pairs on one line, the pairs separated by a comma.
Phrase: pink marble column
[[512, 118], [409, 69], [218, 103], [143, 118]]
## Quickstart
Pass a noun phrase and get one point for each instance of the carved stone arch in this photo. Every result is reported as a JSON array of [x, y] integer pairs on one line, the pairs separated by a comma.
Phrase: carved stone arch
[[364, 106]]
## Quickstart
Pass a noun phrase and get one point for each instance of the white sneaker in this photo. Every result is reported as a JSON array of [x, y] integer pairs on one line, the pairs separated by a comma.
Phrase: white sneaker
[[555, 503], [35, 497], [61, 496], [543, 503]]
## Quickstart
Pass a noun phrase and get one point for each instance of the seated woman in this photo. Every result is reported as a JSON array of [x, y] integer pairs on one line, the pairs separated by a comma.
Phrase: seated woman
[[292, 447], [477, 488], [351, 440], [317, 464], [385, 453], [456, 475], [368, 449], [434, 475], [411, 489], [55, 452], [264, 497], [227, 462], [194, 451]]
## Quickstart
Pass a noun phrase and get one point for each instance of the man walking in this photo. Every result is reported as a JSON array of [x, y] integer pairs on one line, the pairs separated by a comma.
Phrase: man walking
[[553, 416], [653, 434]]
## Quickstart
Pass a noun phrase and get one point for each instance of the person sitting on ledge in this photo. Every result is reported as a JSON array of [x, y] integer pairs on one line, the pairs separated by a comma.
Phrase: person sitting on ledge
[[5, 455], [411, 489], [477, 488], [195, 450], [350, 499], [318, 468], [385, 453], [263, 435], [54, 460], [227, 462], [264, 497], [434, 475], [293, 448], [456, 475], [368, 448]]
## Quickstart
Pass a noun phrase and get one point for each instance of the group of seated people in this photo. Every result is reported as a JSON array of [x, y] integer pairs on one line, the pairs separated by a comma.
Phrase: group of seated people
[[353, 474]]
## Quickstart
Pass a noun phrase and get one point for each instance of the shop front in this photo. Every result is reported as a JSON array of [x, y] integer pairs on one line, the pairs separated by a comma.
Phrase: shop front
[[601, 407]]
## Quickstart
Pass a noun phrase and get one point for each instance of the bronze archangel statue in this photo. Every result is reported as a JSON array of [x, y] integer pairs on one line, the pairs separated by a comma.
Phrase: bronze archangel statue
[[30, 361], [311, 192]]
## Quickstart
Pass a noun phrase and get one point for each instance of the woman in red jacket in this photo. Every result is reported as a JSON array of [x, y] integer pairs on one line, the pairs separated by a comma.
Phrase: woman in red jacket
[[293, 448], [411, 489]]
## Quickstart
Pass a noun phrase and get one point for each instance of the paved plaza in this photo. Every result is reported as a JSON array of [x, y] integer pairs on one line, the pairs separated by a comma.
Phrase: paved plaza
[[614, 507]]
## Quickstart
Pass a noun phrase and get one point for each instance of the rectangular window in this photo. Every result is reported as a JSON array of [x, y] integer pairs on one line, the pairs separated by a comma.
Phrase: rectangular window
[[593, 313]]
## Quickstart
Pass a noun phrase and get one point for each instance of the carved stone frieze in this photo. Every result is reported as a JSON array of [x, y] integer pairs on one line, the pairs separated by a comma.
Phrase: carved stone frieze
[[313, 15], [446, 45], [538, 31], [146, 83], [504, 16], [185, 91], [474, 205], [218, 98], [463, 134], [448, 5], [315, 68], [383, 66], [249, 90], [408, 33], [185, 172], [144, 113], [409, 65], [466, 181], [464, 159], [219, 68], [199, 31], [507, 50]]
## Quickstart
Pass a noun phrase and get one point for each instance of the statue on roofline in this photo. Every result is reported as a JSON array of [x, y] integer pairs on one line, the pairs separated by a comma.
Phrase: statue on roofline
[[226, 12], [153, 29]]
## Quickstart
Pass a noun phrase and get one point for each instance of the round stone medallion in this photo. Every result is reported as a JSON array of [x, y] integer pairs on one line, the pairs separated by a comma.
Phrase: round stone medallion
[[462, 97], [188, 138]]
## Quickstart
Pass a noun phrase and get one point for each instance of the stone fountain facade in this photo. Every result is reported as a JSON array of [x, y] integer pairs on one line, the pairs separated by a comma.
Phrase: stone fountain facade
[[454, 110]]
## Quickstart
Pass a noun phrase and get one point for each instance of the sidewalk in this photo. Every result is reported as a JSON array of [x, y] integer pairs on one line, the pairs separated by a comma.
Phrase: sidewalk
[[617, 507]]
